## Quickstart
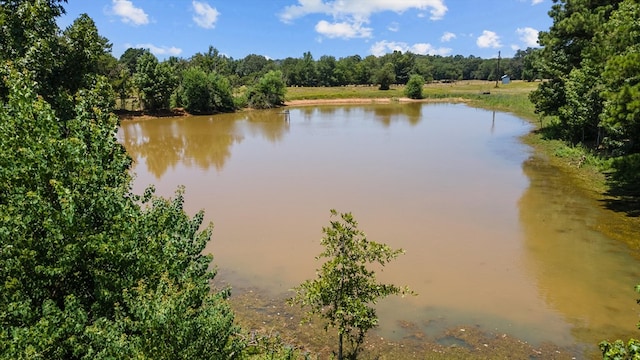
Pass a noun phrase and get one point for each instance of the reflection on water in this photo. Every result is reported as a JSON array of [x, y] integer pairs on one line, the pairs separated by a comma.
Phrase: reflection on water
[[199, 141], [586, 277], [486, 243]]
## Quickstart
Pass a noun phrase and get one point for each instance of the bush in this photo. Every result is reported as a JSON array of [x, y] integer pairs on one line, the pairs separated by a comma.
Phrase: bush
[[88, 269], [269, 92], [413, 90], [203, 93]]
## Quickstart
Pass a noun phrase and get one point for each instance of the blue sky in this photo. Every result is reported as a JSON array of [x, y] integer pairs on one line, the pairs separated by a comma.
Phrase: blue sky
[[287, 28]]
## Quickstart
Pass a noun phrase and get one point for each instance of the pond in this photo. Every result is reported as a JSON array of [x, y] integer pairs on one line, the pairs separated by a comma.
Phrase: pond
[[494, 236]]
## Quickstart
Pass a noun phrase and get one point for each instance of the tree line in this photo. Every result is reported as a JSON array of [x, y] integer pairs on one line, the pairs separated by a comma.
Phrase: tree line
[[591, 58], [257, 81]]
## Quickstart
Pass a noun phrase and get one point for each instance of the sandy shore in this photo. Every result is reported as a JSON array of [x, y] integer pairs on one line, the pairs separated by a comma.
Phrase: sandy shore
[[140, 115]]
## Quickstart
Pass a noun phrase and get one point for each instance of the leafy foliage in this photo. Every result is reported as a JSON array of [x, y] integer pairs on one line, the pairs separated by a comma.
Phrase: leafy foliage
[[619, 350], [269, 92], [89, 269], [130, 58], [591, 57], [205, 93], [156, 80], [60, 62], [621, 113], [345, 288], [385, 76], [413, 90]]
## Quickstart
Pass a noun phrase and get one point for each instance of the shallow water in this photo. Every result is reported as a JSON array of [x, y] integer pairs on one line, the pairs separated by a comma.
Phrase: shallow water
[[494, 236]]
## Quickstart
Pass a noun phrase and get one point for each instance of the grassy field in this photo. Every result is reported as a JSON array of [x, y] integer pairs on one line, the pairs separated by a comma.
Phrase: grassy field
[[512, 97]]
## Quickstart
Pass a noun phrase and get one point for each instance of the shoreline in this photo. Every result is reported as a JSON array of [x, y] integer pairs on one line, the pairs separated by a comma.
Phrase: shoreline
[[181, 112], [356, 101]]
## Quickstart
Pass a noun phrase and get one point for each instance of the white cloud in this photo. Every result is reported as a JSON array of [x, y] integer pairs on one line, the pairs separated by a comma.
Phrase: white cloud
[[129, 13], [529, 36], [353, 13], [160, 50], [394, 26], [536, 2], [360, 9], [428, 49], [488, 39], [206, 16], [343, 30], [383, 47], [447, 36]]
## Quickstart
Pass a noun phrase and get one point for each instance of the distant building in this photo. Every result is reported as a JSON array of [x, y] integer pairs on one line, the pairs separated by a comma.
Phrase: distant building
[[506, 79]]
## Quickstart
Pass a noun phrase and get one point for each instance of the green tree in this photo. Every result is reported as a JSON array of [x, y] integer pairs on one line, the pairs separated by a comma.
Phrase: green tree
[[621, 39], [269, 92], [403, 64], [122, 85], [203, 93], [572, 59], [385, 76], [28, 39], [413, 90], [194, 91], [326, 67], [88, 269], [346, 288], [289, 68], [252, 67], [529, 61], [130, 58], [83, 49], [307, 71], [213, 61], [345, 71], [60, 62], [366, 69], [155, 80]]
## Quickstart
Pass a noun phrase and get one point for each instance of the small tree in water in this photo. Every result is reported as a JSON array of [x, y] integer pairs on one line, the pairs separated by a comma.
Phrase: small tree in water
[[345, 288]]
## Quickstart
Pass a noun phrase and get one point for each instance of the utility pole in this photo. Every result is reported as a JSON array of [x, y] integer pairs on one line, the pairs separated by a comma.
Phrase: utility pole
[[498, 69]]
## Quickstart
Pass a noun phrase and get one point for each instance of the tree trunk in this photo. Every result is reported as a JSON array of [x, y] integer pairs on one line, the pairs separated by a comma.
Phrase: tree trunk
[[340, 347]]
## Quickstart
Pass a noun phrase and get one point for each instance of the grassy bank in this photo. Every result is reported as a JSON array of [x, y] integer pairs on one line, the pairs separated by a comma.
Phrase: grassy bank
[[511, 97]]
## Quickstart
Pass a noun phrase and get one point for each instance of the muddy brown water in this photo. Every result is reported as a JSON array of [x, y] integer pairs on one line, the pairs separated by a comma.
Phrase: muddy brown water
[[494, 236]]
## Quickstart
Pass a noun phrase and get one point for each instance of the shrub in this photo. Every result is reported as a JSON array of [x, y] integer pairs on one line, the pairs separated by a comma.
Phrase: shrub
[[413, 90]]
